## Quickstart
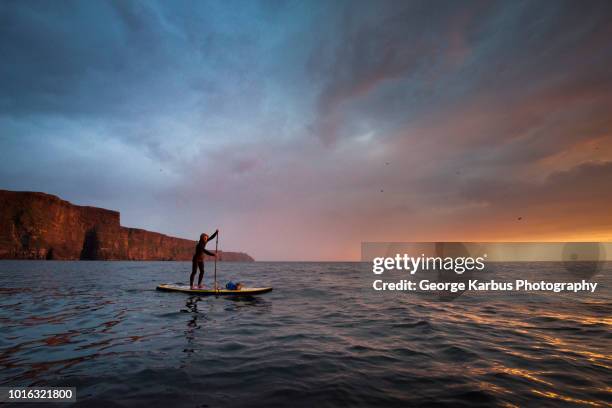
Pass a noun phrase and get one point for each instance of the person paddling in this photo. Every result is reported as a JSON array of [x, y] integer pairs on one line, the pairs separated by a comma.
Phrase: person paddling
[[198, 258]]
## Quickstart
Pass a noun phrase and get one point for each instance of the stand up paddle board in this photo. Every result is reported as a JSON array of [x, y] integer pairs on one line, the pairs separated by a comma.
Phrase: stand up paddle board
[[168, 287]]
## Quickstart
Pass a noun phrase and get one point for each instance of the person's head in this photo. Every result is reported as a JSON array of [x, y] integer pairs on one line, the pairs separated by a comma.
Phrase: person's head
[[203, 237]]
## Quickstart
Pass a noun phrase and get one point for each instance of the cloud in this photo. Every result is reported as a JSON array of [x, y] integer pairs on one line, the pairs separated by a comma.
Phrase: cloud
[[316, 122], [568, 204]]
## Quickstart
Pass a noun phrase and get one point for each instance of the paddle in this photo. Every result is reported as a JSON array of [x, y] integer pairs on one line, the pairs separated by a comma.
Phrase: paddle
[[216, 255]]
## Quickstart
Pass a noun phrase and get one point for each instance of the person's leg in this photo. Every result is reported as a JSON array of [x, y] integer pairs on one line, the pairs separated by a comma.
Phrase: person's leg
[[194, 266], [201, 266]]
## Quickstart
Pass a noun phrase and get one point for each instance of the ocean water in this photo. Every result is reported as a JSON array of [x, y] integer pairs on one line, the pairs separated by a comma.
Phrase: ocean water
[[323, 337]]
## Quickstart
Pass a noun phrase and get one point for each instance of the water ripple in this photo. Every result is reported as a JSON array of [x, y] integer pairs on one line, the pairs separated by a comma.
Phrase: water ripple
[[321, 338]]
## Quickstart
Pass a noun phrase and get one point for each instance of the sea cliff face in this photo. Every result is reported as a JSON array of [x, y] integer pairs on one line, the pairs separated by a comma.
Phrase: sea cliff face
[[43, 226]]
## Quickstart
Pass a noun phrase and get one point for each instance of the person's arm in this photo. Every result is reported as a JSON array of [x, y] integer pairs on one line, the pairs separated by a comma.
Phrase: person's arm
[[213, 235], [207, 252]]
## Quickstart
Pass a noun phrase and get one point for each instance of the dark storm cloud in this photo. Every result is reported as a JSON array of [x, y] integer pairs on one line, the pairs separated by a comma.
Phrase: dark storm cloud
[[563, 203], [578, 186], [118, 59], [415, 59], [395, 45], [55, 56]]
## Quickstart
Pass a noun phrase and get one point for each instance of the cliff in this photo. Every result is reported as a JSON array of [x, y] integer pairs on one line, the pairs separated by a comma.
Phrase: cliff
[[43, 226]]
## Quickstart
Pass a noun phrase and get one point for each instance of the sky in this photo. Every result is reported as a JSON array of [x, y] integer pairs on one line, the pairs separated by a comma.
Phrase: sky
[[302, 128]]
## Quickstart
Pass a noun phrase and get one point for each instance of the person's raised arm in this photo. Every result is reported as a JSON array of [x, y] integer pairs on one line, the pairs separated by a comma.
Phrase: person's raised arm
[[213, 235]]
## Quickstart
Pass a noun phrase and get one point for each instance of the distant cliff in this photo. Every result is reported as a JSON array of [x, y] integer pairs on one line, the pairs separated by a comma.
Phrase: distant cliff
[[43, 226]]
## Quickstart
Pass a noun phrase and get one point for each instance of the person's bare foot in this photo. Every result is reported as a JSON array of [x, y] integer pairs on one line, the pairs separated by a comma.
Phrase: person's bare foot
[[193, 287], [201, 286]]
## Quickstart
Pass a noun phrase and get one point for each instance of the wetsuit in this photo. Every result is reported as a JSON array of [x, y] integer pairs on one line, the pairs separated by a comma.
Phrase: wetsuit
[[198, 259]]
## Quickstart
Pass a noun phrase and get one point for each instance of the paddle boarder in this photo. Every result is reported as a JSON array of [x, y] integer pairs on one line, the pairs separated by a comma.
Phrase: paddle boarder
[[198, 259]]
